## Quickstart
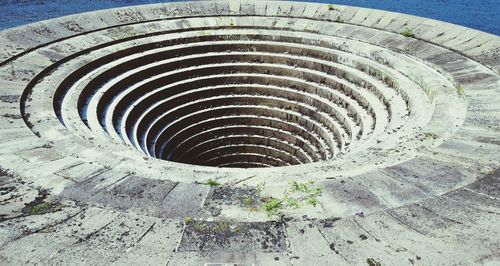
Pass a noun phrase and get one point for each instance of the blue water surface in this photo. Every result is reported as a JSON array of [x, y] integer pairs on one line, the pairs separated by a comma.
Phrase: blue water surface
[[478, 14]]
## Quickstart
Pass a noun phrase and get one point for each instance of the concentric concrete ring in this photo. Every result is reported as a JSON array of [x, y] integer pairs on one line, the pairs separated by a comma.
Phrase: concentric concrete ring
[[122, 115]]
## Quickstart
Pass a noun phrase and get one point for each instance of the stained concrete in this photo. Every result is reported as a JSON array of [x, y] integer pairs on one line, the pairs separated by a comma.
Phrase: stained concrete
[[156, 134]]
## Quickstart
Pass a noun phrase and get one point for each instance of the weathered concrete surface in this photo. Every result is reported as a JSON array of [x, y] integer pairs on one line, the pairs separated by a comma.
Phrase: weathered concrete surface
[[401, 133]]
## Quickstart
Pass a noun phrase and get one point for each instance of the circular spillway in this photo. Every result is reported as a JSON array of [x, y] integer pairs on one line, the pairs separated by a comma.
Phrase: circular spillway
[[241, 92], [190, 118], [240, 97]]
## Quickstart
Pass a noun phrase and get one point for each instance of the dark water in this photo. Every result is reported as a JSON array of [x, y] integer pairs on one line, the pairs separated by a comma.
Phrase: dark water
[[478, 14]]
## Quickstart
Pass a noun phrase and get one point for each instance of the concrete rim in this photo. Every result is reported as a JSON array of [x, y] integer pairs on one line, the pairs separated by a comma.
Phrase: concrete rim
[[448, 152]]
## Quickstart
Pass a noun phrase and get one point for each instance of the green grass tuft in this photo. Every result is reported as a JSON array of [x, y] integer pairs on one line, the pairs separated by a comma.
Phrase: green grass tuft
[[273, 206], [249, 201], [461, 91], [40, 208], [212, 183], [199, 227], [298, 195], [408, 33]]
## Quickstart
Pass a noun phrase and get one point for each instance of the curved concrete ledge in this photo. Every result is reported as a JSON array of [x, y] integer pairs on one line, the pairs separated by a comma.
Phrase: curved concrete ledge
[[113, 125]]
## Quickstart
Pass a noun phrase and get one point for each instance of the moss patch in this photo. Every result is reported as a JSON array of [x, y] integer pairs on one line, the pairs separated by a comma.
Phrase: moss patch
[[42, 208]]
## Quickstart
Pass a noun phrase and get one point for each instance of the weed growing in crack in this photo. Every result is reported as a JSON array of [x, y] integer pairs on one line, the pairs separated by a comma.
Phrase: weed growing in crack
[[220, 226], [237, 229], [260, 188], [212, 183], [408, 33], [199, 227], [461, 91], [273, 206], [304, 192], [39, 208], [294, 203], [43, 207], [249, 201], [298, 195], [188, 220]]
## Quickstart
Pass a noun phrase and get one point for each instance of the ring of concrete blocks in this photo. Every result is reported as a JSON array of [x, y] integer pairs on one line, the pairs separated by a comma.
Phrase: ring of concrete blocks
[[249, 92]]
